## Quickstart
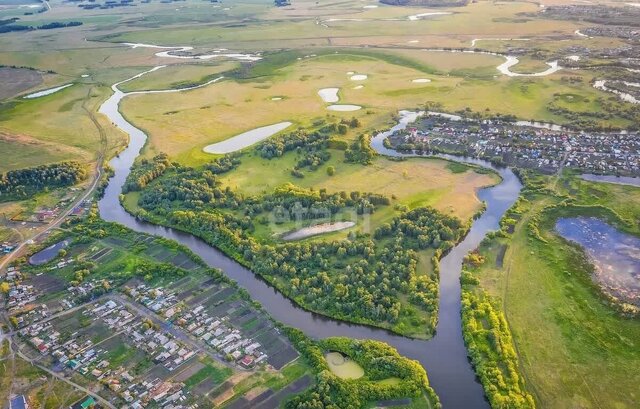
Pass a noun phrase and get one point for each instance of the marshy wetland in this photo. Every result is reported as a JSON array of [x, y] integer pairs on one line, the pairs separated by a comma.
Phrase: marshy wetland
[[614, 254]]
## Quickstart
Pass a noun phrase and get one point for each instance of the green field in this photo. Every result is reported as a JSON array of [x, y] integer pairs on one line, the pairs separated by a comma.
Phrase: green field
[[573, 347]]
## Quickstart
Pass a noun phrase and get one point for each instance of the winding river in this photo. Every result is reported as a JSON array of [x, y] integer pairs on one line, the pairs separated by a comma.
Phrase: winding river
[[444, 356]]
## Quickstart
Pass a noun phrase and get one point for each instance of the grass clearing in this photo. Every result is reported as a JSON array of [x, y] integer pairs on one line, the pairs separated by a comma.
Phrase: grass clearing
[[343, 366], [452, 193], [574, 349], [179, 76]]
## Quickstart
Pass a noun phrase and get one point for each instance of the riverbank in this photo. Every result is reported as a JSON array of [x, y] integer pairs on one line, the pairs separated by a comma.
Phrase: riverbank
[[584, 331], [442, 355]]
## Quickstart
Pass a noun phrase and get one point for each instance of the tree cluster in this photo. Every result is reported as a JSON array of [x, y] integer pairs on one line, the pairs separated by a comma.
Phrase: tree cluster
[[490, 347], [368, 279], [379, 361], [146, 171], [360, 151], [278, 145], [23, 183]]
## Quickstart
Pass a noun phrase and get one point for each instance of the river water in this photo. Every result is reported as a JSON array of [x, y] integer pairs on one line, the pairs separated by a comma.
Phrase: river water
[[444, 356]]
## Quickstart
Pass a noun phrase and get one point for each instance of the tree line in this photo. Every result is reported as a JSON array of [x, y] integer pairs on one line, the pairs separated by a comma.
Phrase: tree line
[[24, 183]]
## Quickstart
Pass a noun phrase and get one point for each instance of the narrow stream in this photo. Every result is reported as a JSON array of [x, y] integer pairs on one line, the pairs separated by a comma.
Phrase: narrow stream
[[444, 356]]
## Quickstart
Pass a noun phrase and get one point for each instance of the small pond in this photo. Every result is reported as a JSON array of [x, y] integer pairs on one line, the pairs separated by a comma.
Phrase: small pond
[[329, 94], [246, 139], [615, 255], [317, 229], [46, 255], [343, 366], [46, 92]]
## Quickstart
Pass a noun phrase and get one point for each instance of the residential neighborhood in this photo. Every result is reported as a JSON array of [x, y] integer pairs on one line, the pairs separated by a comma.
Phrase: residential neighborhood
[[536, 146]]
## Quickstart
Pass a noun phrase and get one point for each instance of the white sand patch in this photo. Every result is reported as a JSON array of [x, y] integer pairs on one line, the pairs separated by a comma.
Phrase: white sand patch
[[373, 6], [84, 75], [317, 229], [421, 80], [413, 41], [358, 87], [578, 33], [276, 99], [46, 92], [344, 108], [246, 139], [358, 77], [573, 58], [329, 94], [420, 16], [633, 4]]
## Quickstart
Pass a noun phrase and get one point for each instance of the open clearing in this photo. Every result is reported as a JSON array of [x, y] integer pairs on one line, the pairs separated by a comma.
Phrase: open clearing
[[438, 186], [343, 366], [582, 335], [13, 81]]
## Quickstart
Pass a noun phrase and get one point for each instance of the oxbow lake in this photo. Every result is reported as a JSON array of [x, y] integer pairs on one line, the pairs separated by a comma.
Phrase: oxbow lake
[[615, 255]]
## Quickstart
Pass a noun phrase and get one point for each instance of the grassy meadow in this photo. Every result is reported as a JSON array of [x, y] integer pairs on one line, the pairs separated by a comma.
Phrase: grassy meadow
[[38, 129], [575, 350]]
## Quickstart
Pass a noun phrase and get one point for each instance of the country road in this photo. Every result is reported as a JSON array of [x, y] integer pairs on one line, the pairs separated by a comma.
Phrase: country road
[[88, 192]]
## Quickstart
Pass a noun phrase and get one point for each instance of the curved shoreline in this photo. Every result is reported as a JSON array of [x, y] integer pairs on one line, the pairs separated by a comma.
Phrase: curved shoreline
[[171, 50], [444, 356]]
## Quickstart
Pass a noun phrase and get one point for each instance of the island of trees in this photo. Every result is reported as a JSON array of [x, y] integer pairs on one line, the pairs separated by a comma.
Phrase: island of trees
[[380, 362]]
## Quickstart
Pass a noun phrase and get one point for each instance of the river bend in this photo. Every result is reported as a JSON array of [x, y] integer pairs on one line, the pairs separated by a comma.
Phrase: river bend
[[444, 356]]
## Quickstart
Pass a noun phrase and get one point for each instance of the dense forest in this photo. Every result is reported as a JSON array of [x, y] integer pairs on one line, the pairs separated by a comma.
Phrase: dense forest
[[371, 279], [379, 361], [24, 183]]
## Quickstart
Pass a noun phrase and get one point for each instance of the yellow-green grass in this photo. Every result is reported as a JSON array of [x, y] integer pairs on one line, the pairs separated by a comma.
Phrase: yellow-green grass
[[481, 19], [183, 124], [414, 182], [56, 127], [529, 64], [458, 64], [575, 350], [343, 367], [177, 76], [20, 153], [188, 121]]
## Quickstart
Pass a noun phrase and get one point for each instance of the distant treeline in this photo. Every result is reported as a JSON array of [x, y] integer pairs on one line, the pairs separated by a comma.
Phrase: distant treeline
[[7, 26], [23, 183]]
